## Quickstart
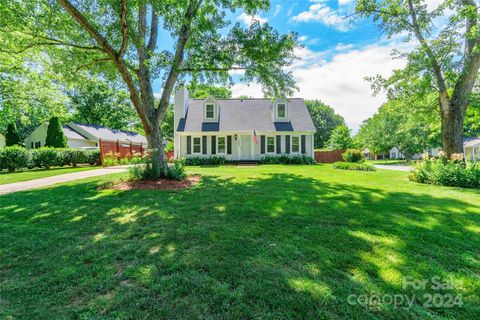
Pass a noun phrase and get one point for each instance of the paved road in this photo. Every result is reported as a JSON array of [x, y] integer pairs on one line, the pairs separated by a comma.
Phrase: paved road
[[393, 167], [43, 182]]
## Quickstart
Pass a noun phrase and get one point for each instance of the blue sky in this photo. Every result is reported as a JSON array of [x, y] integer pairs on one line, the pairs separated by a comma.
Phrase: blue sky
[[336, 57]]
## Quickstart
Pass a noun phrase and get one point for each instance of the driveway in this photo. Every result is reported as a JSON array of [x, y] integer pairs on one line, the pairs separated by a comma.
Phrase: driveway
[[393, 167], [44, 182]]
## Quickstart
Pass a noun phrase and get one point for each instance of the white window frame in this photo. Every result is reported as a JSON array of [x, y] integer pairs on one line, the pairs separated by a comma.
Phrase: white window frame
[[274, 145], [285, 106], [218, 144], [193, 144], [214, 111], [299, 145]]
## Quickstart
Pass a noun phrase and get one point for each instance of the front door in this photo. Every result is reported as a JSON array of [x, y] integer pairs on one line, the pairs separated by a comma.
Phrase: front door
[[244, 148]]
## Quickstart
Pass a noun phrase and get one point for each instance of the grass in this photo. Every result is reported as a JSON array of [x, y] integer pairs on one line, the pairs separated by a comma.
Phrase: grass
[[390, 162], [265, 242], [18, 176]]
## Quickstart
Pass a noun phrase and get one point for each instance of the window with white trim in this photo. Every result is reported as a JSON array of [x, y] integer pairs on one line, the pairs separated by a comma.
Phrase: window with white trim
[[209, 111], [197, 145], [270, 144], [281, 111], [295, 144], [221, 145]]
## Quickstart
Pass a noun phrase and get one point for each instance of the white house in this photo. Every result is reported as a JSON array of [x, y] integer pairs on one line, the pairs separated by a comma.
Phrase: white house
[[471, 149], [2, 140], [241, 129], [83, 136], [396, 154]]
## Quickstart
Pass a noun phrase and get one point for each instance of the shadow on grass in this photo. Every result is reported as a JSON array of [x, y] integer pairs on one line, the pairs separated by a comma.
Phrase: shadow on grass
[[280, 246]]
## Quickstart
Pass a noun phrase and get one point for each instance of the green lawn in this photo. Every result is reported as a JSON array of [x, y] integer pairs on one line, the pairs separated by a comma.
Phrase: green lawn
[[18, 176], [266, 242], [390, 162]]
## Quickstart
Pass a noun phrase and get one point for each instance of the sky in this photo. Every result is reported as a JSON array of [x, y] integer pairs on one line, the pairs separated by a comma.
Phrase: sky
[[336, 55]]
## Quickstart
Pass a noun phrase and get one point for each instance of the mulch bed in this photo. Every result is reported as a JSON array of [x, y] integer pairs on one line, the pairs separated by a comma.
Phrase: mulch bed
[[161, 184]]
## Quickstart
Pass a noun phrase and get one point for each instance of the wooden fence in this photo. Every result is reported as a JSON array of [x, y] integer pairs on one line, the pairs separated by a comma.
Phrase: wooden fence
[[328, 156], [121, 149]]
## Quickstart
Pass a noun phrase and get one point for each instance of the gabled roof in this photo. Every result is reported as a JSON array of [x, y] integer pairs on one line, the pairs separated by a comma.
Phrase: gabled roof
[[101, 132], [246, 115], [71, 134], [470, 142]]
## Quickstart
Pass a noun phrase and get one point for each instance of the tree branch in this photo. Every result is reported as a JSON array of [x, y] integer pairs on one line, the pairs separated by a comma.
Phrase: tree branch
[[123, 47], [200, 69], [152, 43], [431, 56], [95, 61]]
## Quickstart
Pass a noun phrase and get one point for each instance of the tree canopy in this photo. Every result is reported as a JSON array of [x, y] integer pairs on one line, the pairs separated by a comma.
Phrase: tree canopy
[[325, 120], [340, 139]]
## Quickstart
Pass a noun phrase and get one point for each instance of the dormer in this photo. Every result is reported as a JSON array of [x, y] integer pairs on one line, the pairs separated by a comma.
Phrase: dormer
[[281, 110], [210, 110]]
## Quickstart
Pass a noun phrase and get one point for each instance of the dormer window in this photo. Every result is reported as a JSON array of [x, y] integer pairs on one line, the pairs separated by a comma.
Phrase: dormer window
[[209, 111], [281, 111]]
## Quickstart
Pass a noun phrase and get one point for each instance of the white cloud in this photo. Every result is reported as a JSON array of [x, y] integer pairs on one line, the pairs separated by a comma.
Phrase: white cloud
[[344, 2], [302, 38], [342, 47], [278, 8], [340, 82], [249, 20], [320, 12]]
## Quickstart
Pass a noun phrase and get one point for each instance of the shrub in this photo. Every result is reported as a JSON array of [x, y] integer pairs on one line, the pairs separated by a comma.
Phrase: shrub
[[46, 157], [74, 157], [12, 137], [93, 157], [176, 171], [353, 166], [287, 160], [204, 161], [55, 137], [447, 172], [14, 157], [353, 155], [110, 159], [169, 146]]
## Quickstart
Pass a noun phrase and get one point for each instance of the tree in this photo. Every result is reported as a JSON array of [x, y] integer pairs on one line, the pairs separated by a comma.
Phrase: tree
[[12, 137], [340, 138], [439, 55], [55, 137], [101, 102], [325, 120], [117, 38], [203, 91]]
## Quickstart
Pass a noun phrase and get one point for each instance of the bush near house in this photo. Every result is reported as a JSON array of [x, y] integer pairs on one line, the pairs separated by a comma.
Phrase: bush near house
[[353, 155], [13, 158], [204, 161], [287, 160], [447, 172], [16, 158], [353, 166]]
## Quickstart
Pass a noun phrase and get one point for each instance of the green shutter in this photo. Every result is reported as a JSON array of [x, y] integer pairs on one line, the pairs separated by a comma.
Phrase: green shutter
[[189, 144], [229, 144], [287, 144], [214, 145]]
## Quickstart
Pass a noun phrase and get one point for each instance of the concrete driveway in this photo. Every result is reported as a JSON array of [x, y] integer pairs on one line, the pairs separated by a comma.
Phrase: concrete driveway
[[44, 182], [393, 167]]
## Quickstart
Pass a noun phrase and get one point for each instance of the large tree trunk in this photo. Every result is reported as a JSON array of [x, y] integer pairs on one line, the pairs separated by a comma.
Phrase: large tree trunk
[[452, 117], [157, 152]]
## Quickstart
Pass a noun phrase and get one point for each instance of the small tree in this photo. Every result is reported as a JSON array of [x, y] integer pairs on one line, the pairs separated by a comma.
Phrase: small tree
[[12, 137], [340, 138], [55, 137]]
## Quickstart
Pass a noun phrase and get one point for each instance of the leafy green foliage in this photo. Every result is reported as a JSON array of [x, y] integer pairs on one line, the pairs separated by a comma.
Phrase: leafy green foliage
[[14, 158], [204, 161], [12, 137], [353, 166], [55, 137], [203, 91], [340, 139], [446, 172], [325, 120], [353, 155], [177, 171], [74, 157], [100, 102], [47, 157], [283, 159]]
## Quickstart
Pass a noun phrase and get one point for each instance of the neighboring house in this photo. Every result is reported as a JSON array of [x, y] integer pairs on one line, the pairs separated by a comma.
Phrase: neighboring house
[[84, 136], [396, 154], [2, 141], [471, 149], [241, 129]]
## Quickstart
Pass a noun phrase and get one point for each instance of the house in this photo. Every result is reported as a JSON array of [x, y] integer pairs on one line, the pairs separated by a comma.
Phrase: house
[[241, 129], [471, 149], [395, 153], [2, 141], [84, 136]]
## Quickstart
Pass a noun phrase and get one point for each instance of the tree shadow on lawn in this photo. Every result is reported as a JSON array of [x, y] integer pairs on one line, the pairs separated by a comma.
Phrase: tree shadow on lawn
[[279, 246]]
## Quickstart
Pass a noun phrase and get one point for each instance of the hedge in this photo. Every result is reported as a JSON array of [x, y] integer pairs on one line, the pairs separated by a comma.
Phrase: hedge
[[287, 160], [16, 158], [353, 166]]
